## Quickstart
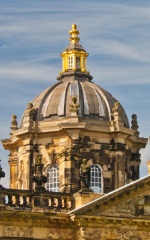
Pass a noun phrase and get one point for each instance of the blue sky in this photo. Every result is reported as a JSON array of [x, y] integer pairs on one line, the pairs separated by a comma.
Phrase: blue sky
[[116, 34]]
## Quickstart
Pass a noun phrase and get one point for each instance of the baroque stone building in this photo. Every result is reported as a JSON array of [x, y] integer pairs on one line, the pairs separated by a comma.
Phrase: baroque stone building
[[74, 163]]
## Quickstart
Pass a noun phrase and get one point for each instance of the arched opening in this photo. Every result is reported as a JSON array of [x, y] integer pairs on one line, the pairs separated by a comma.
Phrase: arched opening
[[96, 180], [53, 178]]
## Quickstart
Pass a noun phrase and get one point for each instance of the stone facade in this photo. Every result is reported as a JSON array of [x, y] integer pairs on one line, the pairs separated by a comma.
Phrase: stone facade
[[70, 160], [117, 152], [120, 214]]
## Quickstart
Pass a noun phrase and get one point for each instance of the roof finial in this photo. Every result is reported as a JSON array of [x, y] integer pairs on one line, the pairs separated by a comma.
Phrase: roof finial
[[74, 32]]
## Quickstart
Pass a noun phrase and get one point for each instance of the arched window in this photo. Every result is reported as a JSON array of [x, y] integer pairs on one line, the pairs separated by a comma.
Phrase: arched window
[[96, 181], [53, 178]]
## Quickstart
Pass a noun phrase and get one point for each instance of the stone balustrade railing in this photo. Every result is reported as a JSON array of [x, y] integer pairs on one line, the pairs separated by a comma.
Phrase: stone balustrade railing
[[14, 199]]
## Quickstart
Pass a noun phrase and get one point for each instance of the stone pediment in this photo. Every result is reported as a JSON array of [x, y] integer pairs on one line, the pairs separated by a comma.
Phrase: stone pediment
[[129, 201]]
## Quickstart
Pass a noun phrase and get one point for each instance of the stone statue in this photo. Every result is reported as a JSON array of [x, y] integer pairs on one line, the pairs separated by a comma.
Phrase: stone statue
[[85, 174], [74, 106], [117, 108], [30, 111], [39, 178], [117, 113]]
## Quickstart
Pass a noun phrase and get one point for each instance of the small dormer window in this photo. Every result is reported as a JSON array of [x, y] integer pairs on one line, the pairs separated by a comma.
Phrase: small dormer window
[[78, 62], [70, 62]]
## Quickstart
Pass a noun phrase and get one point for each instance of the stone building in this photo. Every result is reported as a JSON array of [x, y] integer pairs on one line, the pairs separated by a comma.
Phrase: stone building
[[74, 163]]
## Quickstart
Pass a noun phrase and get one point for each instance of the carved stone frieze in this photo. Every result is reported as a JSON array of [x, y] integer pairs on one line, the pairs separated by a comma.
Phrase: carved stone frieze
[[13, 231], [112, 234], [58, 233]]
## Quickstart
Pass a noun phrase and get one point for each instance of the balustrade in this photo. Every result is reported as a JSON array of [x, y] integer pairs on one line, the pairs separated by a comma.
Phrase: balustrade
[[14, 199]]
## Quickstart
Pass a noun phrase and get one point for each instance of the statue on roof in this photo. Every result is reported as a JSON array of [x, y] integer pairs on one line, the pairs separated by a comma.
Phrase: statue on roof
[[74, 106], [30, 111]]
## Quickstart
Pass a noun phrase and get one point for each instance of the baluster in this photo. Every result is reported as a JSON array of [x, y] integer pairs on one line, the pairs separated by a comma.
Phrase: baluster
[[52, 202], [24, 201], [66, 203], [30, 201], [59, 202], [17, 200]]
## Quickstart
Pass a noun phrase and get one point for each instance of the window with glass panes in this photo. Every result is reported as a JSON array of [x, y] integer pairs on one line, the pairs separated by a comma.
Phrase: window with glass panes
[[53, 178], [96, 178], [70, 62], [77, 62]]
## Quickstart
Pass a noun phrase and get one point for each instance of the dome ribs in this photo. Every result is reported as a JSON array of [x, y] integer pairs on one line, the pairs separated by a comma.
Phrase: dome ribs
[[90, 96], [42, 99]]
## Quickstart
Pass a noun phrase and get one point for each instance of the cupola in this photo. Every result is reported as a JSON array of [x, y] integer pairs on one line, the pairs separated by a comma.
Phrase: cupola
[[74, 57]]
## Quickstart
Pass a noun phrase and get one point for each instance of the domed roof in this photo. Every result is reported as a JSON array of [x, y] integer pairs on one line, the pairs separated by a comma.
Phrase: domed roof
[[75, 81], [94, 101]]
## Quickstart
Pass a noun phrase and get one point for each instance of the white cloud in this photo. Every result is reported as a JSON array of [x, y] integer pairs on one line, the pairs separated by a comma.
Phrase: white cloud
[[113, 47]]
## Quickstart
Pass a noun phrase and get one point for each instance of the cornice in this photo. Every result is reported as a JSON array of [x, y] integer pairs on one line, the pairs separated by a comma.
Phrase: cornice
[[34, 219], [113, 222]]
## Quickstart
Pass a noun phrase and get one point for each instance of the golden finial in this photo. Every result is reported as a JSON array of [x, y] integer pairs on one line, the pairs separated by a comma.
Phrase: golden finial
[[74, 32]]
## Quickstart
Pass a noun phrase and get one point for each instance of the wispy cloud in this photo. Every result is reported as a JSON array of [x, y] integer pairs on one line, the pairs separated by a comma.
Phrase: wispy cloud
[[25, 72], [119, 74]]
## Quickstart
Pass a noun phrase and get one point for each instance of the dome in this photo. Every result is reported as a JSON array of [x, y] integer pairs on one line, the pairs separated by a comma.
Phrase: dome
[[94, 102], [75, 81]]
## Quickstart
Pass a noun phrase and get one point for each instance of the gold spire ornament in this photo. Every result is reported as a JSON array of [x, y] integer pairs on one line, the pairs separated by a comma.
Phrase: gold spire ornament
[[74, 57], [74, 33]]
